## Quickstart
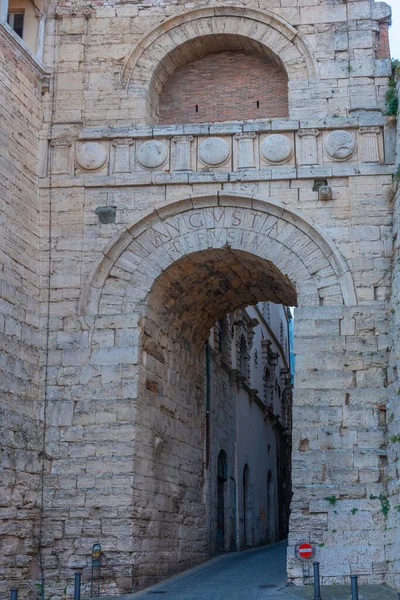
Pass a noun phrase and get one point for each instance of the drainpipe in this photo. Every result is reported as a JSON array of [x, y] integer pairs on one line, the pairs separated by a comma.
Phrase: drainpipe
[[208, 394], [208, 486]]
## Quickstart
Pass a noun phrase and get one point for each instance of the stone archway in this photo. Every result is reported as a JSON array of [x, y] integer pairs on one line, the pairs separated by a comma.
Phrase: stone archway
[[159, 287], [182, 38], [297, 247]]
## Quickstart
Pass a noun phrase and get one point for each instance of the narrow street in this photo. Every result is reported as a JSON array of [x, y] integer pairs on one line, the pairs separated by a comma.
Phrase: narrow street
[[254, 574]]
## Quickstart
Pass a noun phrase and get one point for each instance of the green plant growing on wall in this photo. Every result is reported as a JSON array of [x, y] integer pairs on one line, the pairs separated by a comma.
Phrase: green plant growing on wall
[[354, 510], [392, 99], [331, 499], [385, 504], [395, 438]]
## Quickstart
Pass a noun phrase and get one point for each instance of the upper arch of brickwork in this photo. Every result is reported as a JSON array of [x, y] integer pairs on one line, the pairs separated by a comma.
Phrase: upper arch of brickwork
[[166, 47], [297, 248]]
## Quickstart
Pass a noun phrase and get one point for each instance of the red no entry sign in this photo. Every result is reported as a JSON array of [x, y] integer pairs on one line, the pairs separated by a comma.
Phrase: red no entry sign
[[305, 551]]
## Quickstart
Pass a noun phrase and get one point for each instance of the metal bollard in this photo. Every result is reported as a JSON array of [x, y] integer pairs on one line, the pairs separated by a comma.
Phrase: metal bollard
[[14, 594], [354, 587], [317, 589], [77, 588]]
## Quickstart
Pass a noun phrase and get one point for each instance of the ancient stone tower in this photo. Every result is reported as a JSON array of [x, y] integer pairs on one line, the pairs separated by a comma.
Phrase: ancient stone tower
[[162, 164]]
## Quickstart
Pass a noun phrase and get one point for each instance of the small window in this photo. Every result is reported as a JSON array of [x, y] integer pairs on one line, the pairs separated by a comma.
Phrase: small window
[[16, 22], [220, 336], [243, 357]]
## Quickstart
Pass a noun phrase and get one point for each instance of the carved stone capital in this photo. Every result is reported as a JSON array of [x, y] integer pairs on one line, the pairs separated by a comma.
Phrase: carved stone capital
[[73, 11], [245, 136], [61, 143], [308, 132], [370, 130], [122, 142], [40, 14], [182, 139]]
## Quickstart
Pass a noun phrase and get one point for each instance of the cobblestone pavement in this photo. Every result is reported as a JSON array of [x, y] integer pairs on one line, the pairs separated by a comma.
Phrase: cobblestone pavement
[[254, 574]]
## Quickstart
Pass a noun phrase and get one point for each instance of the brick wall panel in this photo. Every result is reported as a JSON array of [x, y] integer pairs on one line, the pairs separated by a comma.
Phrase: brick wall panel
[[225, 86]]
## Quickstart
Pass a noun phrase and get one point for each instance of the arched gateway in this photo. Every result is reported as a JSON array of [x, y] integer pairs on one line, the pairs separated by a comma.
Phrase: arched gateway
[[160, 287], [130, 226]]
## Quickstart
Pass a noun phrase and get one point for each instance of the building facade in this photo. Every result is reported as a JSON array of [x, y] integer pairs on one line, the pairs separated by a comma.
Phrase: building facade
[[163, 165], [248, 433]]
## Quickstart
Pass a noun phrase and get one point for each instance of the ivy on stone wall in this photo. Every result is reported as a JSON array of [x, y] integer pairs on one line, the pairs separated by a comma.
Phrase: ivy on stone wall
[[392, 99]]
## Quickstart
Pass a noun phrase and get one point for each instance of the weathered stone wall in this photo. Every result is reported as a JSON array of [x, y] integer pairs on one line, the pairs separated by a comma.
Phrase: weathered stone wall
[[393, 413], [20, 436]]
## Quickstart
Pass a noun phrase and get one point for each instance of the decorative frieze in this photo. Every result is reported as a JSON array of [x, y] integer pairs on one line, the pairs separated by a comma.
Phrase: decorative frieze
[[229, 153]]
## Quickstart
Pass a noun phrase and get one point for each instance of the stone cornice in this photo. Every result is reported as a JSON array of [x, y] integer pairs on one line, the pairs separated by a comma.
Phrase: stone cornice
[[234, 127]]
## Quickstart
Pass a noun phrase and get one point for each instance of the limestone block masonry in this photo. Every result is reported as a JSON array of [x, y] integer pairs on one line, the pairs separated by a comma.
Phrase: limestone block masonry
[[104, 412], [20, 430]]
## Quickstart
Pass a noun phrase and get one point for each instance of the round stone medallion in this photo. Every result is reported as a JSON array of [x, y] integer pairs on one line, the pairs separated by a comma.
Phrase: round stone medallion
[[91, 156], [214, 151], [152, 154], [340, 145], [277, 148]]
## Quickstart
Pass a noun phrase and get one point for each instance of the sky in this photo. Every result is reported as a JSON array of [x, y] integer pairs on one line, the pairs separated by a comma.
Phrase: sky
[[395, 28]]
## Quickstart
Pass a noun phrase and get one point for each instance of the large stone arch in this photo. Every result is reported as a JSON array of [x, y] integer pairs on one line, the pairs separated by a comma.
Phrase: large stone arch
[[179, 39], [157, 290], [297, 248], [142, 370]]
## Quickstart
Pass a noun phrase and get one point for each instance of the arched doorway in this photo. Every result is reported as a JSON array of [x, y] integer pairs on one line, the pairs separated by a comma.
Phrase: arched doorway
[[172, 276], [271, 509], [222, 478]]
